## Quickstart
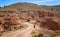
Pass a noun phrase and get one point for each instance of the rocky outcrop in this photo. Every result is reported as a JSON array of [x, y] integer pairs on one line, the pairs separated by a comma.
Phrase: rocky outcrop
[[35, 14], [51, 24]]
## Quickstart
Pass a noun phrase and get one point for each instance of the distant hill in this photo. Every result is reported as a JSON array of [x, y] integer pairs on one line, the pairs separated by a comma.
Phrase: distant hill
[[31, 6]]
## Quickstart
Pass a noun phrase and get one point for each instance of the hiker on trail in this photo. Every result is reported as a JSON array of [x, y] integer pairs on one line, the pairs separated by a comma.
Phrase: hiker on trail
[[34, 26]]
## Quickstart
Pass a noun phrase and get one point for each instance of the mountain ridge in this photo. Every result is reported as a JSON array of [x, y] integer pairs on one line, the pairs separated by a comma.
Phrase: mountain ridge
[[31, 6]]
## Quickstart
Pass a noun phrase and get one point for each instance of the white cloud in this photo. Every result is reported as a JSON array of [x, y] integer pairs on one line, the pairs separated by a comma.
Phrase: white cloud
[[41, 1], [47, 0], [38, 0]]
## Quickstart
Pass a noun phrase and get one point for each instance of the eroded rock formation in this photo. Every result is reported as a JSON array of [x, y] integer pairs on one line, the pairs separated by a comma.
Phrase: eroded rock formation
[[51, 24], [8, 19]]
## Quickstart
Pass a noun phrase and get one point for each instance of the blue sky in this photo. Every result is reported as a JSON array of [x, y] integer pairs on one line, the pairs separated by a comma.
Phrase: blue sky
[[40, 2]]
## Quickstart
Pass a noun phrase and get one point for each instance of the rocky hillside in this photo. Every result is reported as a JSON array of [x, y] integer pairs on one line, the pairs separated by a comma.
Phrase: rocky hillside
[[47, 16], [9, 20]]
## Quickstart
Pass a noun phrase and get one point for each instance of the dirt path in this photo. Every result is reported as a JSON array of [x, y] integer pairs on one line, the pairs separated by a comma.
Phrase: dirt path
[[21, 33]]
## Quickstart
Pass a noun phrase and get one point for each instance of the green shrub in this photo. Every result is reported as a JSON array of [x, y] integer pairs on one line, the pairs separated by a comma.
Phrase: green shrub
[[35, 34], [28, 20], [38, 35], [52, 35]]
